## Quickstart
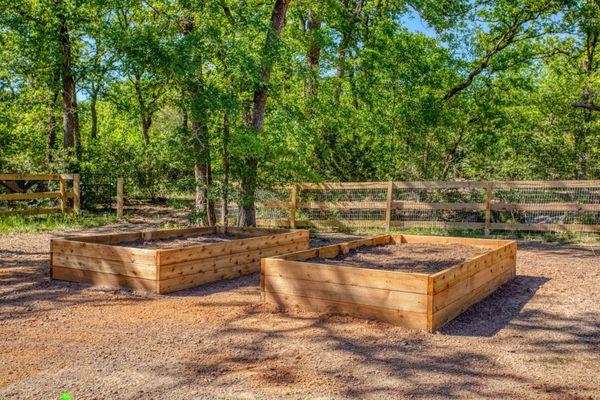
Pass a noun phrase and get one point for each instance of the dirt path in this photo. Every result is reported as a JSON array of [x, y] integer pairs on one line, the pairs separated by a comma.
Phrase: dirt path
[[536, 337]]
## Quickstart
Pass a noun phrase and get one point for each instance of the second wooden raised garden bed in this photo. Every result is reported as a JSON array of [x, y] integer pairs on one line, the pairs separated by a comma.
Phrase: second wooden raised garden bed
[[124, 259], [423, 301]]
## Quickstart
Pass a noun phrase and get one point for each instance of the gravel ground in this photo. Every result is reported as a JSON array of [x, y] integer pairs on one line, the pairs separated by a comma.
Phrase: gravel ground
[[409, 257], [537, 337]]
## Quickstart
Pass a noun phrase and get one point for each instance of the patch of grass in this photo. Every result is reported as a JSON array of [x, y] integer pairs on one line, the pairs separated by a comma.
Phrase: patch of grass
[[54, 222]]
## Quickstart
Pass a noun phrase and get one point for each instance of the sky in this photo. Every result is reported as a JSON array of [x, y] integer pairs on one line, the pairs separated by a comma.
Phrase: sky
[[414, 23]]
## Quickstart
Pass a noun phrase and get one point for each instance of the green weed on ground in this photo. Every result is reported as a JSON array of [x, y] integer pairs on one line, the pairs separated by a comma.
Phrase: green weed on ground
[[54, 222]]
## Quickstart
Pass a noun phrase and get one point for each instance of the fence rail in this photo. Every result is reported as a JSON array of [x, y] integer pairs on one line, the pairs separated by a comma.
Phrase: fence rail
[[12, 183], [490, 205]]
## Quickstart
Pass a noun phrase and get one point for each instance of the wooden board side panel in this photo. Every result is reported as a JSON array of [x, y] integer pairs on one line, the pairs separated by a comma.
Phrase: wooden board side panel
[[382, 298], [175, 277], [472, 288], [487, 243], [406, 319], [445, 315], [172, 256], [122, 267], [201, 278], [471, 283], [102, 279], [207, 264], [314, 272], [97, 250], [107, 239], [445, 279], [333, 250]]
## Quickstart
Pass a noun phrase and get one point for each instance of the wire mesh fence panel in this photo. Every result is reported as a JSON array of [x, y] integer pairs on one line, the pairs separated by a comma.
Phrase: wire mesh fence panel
[[542, 205], [273, 204], [420, 206], [98, 191], [343, 206], [518, 205]]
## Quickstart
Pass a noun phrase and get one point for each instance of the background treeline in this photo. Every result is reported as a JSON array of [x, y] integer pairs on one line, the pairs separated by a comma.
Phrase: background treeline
[[227, 96]]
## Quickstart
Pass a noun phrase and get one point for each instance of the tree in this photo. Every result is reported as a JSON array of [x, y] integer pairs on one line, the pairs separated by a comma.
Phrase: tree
[[247, 216]]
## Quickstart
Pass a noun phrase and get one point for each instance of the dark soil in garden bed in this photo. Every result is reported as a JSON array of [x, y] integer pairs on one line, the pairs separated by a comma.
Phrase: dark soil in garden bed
[[410, 257], [183, 241]]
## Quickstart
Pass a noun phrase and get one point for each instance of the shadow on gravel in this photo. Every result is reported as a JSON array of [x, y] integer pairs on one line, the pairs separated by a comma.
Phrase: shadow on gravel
[[498, 310], [26, 287], [247, 281]]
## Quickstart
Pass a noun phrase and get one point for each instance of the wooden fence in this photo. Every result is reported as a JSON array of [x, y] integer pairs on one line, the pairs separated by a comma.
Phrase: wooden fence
[[490, 205], [21, 193]]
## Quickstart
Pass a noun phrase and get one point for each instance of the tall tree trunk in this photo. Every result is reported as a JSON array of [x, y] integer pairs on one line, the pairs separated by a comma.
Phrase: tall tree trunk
[[51, 126], [247, 216], [588, 97], [145, 125], [344, 47], [225, 157], [72, 138], [313, 53], [202, 172], [94, 115], [185, 119], [202, 168]]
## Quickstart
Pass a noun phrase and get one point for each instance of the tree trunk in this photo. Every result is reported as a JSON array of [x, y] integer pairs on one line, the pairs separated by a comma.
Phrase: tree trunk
[[51, 126], [94, 115], [72, 138], [185, 119], [145, 125], [202, 172], [313, 53], [343, 49], [225, 156], [247, 216]]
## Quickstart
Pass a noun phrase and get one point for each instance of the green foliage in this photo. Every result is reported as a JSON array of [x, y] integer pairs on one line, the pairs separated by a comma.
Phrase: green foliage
[[487, 94]]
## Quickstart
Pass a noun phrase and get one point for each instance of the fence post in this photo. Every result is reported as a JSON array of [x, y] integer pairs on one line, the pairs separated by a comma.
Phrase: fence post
[[488, 206], [76, 193], [120, 202], [293, 205], [388, 207], [63, 195]]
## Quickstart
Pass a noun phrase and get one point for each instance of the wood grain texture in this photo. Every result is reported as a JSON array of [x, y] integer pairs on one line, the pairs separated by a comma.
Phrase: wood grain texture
[[105, 251], [413, 300], [121, 267], [205, 276], [171, 256], [406, 319], [339, 274], [102, 279], [254, 256], [98, 258]]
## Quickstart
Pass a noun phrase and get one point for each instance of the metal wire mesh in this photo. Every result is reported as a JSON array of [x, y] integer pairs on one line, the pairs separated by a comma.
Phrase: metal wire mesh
[[419, 205], [98, 190], [512, 205], [538, 205], [266, 197], [364, 204]]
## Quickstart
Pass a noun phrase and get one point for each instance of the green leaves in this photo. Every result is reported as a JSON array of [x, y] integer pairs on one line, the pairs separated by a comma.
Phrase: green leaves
[[495, 89]]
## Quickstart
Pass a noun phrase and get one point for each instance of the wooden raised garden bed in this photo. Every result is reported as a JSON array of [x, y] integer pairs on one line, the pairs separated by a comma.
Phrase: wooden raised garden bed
[[415, 300], [165, 261]]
